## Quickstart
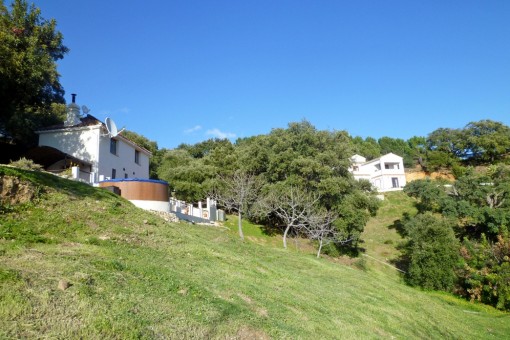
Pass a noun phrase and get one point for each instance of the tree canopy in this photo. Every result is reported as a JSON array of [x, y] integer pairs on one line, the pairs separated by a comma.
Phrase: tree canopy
[[298, 158], [29, 81]]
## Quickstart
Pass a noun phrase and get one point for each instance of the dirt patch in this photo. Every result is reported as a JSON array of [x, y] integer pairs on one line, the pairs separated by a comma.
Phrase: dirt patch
[[245, 298], [262, 312], [414, 175], [245, 333], [15, 191]]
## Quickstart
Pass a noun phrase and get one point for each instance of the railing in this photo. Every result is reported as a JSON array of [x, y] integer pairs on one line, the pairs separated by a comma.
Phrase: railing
[[200, 213]]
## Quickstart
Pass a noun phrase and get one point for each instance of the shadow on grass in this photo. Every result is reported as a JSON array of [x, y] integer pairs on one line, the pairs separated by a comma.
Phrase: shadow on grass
[[399, 225], [402, 263], [271, 230]]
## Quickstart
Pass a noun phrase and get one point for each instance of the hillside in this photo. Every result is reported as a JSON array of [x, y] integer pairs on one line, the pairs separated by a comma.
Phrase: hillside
[[126, 273]]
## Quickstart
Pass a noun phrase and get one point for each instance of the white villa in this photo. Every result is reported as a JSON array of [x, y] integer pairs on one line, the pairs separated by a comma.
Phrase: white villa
[[386, 173], [107, 159], [85, 144]]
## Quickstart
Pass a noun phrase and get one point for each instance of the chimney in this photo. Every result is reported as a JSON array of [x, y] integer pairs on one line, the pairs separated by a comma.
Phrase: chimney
[[73, 113]]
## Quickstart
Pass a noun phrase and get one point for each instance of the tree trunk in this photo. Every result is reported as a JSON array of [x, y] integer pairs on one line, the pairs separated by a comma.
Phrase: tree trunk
[[320, 247], [239, 224], [285, 236]]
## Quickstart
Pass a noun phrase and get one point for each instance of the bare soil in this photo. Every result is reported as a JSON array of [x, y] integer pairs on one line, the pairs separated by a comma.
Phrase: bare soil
[[15, 191]]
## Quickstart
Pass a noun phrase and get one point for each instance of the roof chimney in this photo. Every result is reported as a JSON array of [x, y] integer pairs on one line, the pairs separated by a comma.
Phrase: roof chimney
[[73, 113]]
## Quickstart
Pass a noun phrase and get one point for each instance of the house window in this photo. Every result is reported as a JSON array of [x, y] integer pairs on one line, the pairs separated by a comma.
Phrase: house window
[[114, 173], [113, 146], [394, 182], [125, 175], [137, 157]]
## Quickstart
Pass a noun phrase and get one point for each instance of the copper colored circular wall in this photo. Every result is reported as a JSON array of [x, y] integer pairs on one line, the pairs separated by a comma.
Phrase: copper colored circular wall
[[143, 190]]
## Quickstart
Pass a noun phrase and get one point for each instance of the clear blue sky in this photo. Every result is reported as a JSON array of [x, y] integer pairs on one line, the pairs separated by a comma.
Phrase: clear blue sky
[[185, 71]]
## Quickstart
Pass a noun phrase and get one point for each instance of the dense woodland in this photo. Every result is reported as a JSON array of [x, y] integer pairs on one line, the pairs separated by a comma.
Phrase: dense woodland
[[295, 180]]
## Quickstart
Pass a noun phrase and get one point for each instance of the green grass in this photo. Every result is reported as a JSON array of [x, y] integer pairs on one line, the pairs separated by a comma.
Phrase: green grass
[[133, 275], [380, 237]]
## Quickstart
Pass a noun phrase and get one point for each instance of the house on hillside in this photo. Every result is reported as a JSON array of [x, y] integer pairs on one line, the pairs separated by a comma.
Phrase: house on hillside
[[84, 144], [386, 173]]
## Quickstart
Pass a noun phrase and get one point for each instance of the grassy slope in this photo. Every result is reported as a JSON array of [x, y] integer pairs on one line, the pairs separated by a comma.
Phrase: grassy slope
[[134, 275], [380, 236]]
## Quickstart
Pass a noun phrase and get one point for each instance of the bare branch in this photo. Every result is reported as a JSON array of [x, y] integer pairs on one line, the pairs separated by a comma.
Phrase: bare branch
[[236, 193], [292, 206]]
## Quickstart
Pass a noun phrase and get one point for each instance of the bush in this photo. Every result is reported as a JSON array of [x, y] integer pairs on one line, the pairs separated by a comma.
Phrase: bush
[[26, 164], [432, 252], [486, 275]]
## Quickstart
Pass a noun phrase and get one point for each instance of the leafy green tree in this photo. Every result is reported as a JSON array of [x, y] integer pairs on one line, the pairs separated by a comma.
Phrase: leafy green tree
[[430, 194], [397, 146], [253, 154], [202, 149], [485, 277], [191, 170], [418, 149], [479, 201], [481, 142], [368, 147], [189, 178], [353, 212], [451, 141], [29, 81], [487, 140], [312, 161], [432, 252]]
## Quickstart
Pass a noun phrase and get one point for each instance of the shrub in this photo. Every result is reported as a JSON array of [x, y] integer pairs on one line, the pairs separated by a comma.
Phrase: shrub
[[485, 276], [26, 164], [432, 252]]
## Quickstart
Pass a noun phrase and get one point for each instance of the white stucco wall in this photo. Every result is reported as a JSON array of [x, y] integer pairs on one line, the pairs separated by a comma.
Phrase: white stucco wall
[[152, 205], [92, 145], [375, 171], [123, 162], [80, 143]]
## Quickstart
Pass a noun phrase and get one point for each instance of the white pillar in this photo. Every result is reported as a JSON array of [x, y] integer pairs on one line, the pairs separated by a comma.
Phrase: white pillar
[[75, 171]]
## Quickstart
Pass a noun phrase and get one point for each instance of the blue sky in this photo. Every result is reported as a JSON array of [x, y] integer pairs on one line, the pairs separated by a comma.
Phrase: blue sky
[[185, 71]]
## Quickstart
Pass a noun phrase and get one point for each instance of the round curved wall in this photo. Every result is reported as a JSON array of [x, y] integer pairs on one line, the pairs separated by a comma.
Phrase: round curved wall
[[147, 194]]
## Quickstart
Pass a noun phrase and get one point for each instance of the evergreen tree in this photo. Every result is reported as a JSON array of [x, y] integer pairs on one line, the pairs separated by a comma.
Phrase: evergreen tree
[[29, 81]]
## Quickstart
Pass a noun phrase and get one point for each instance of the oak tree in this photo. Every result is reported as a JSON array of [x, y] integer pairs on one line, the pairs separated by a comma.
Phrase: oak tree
[[30, 46]]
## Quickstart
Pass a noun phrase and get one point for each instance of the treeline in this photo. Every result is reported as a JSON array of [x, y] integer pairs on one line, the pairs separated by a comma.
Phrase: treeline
[[482, 142], [191, 169]]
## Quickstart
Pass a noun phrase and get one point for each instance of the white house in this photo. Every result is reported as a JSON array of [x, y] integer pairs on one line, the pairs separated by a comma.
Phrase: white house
[[85, 142], [386, 173]]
